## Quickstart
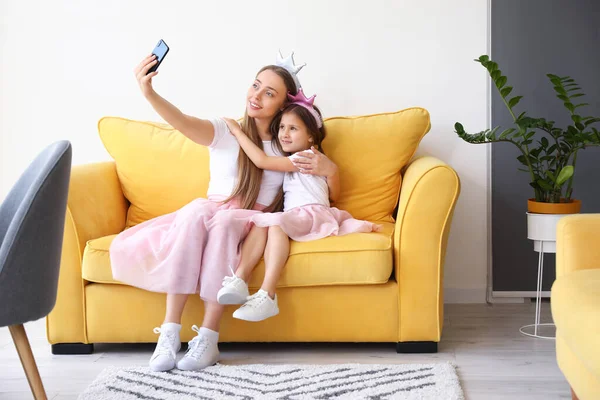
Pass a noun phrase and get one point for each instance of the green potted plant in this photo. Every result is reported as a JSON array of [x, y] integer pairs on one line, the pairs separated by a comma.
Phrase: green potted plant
[[549, 159]]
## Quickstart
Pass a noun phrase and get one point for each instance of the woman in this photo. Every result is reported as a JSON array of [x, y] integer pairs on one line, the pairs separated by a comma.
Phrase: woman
[[193, 249]]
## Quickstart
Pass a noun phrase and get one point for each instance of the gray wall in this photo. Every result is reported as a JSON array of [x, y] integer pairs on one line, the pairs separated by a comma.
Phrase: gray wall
[[531, 38]]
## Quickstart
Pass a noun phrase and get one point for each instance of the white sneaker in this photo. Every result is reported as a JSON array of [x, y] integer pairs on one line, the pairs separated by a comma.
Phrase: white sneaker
[[201, 353], [234, 291], [166, 350], [259, 306]]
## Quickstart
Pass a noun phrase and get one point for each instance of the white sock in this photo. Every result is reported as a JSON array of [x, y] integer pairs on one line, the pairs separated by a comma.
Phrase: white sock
[[213, 336], [170, 326]]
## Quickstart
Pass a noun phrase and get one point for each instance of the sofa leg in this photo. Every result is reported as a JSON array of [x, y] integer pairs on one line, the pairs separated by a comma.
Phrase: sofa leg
[[416, 347], [72, 348]]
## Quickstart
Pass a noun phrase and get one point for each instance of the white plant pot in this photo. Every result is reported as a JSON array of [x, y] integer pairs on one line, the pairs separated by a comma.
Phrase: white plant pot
[[542, 228]]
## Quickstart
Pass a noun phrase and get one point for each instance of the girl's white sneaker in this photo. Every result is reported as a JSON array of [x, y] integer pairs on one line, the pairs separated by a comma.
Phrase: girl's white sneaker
[[234, 291], [258, 307]]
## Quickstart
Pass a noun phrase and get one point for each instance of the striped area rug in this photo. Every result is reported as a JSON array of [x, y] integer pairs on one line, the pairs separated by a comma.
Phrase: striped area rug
[[290, 382]]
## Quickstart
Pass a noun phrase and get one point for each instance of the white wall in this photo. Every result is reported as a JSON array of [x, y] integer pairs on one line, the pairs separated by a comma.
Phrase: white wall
[[64, 64]]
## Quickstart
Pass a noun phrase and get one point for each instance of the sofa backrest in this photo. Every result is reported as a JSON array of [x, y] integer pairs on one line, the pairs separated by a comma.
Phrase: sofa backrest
[[161, 170]]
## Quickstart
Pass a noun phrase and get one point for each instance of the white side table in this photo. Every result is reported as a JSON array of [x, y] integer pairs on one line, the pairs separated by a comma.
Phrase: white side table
[[541, 228]]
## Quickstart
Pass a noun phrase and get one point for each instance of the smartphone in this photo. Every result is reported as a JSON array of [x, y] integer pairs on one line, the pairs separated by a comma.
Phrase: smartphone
[[160, 51]]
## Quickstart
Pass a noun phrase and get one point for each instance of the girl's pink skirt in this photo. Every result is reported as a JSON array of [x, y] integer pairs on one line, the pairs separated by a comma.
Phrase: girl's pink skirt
[[188, 251], [314, 221]]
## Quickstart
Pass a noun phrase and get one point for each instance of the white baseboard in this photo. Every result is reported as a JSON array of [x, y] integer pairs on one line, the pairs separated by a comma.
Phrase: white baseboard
[[508, 300], [475, 296], [524, 294], [464, 296]]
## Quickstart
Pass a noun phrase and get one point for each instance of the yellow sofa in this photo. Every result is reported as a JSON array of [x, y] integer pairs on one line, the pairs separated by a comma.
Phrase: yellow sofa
[[376, 287], [575, 301]]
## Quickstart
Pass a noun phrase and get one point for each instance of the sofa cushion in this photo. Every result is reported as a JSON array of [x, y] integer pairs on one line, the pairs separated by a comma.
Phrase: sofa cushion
[[576, 313], [370, 152], [160, 169], [359, 258]]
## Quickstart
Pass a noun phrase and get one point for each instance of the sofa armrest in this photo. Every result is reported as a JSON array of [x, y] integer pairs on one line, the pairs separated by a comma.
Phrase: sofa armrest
[[428, 195], [96, 207], [577, 243]]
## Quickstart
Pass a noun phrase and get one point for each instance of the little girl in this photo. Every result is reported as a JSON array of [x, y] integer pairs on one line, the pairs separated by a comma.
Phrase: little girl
[[306, 215]]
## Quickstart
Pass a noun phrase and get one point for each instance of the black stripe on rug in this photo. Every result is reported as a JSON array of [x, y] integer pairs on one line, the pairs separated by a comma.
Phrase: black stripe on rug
[[361, 373], [197, 375], [170, 390], [374, 384], [267, 374], [131, 392], [406, 389], [367, 384]]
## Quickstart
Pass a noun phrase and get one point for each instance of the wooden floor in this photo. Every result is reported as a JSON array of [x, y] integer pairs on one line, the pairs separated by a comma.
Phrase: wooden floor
[[494, 361]]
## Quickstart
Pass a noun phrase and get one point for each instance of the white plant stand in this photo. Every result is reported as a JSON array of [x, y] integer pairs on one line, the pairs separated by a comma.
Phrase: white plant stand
[[541, 228]]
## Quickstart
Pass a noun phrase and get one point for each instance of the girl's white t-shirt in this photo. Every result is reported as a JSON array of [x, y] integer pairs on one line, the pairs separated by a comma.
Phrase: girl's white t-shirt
[[301, 189], [224, 151]]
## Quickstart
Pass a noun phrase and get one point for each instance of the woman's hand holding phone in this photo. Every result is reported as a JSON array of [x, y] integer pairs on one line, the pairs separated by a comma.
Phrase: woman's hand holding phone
[[141, 73]]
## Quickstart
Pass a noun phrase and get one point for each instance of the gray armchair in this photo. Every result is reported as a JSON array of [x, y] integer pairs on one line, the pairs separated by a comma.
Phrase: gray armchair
[[32, 220]]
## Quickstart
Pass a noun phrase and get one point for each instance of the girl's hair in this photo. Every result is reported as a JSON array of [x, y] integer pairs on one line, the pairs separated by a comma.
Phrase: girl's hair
[[317, 134], [249, 175]]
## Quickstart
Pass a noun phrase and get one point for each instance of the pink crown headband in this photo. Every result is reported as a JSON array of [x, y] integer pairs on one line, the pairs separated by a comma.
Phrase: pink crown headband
[[307, 103]]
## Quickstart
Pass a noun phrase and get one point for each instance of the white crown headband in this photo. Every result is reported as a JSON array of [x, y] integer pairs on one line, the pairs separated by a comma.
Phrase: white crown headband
[[289, 65]]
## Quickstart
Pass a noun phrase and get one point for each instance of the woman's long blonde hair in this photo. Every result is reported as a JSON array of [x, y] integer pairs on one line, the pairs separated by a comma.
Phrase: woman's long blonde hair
[[249, 175]]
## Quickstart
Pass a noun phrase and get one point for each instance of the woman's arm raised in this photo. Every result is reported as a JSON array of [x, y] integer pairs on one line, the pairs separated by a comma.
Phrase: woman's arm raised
[[199, 130]]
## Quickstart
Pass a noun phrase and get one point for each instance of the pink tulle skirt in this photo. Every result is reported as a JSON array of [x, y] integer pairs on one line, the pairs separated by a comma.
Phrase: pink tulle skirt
[[315, 221], [188, 251]]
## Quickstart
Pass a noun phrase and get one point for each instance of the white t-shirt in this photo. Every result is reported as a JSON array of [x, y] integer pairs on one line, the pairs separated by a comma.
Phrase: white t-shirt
[[301, 190], [224, 151]]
